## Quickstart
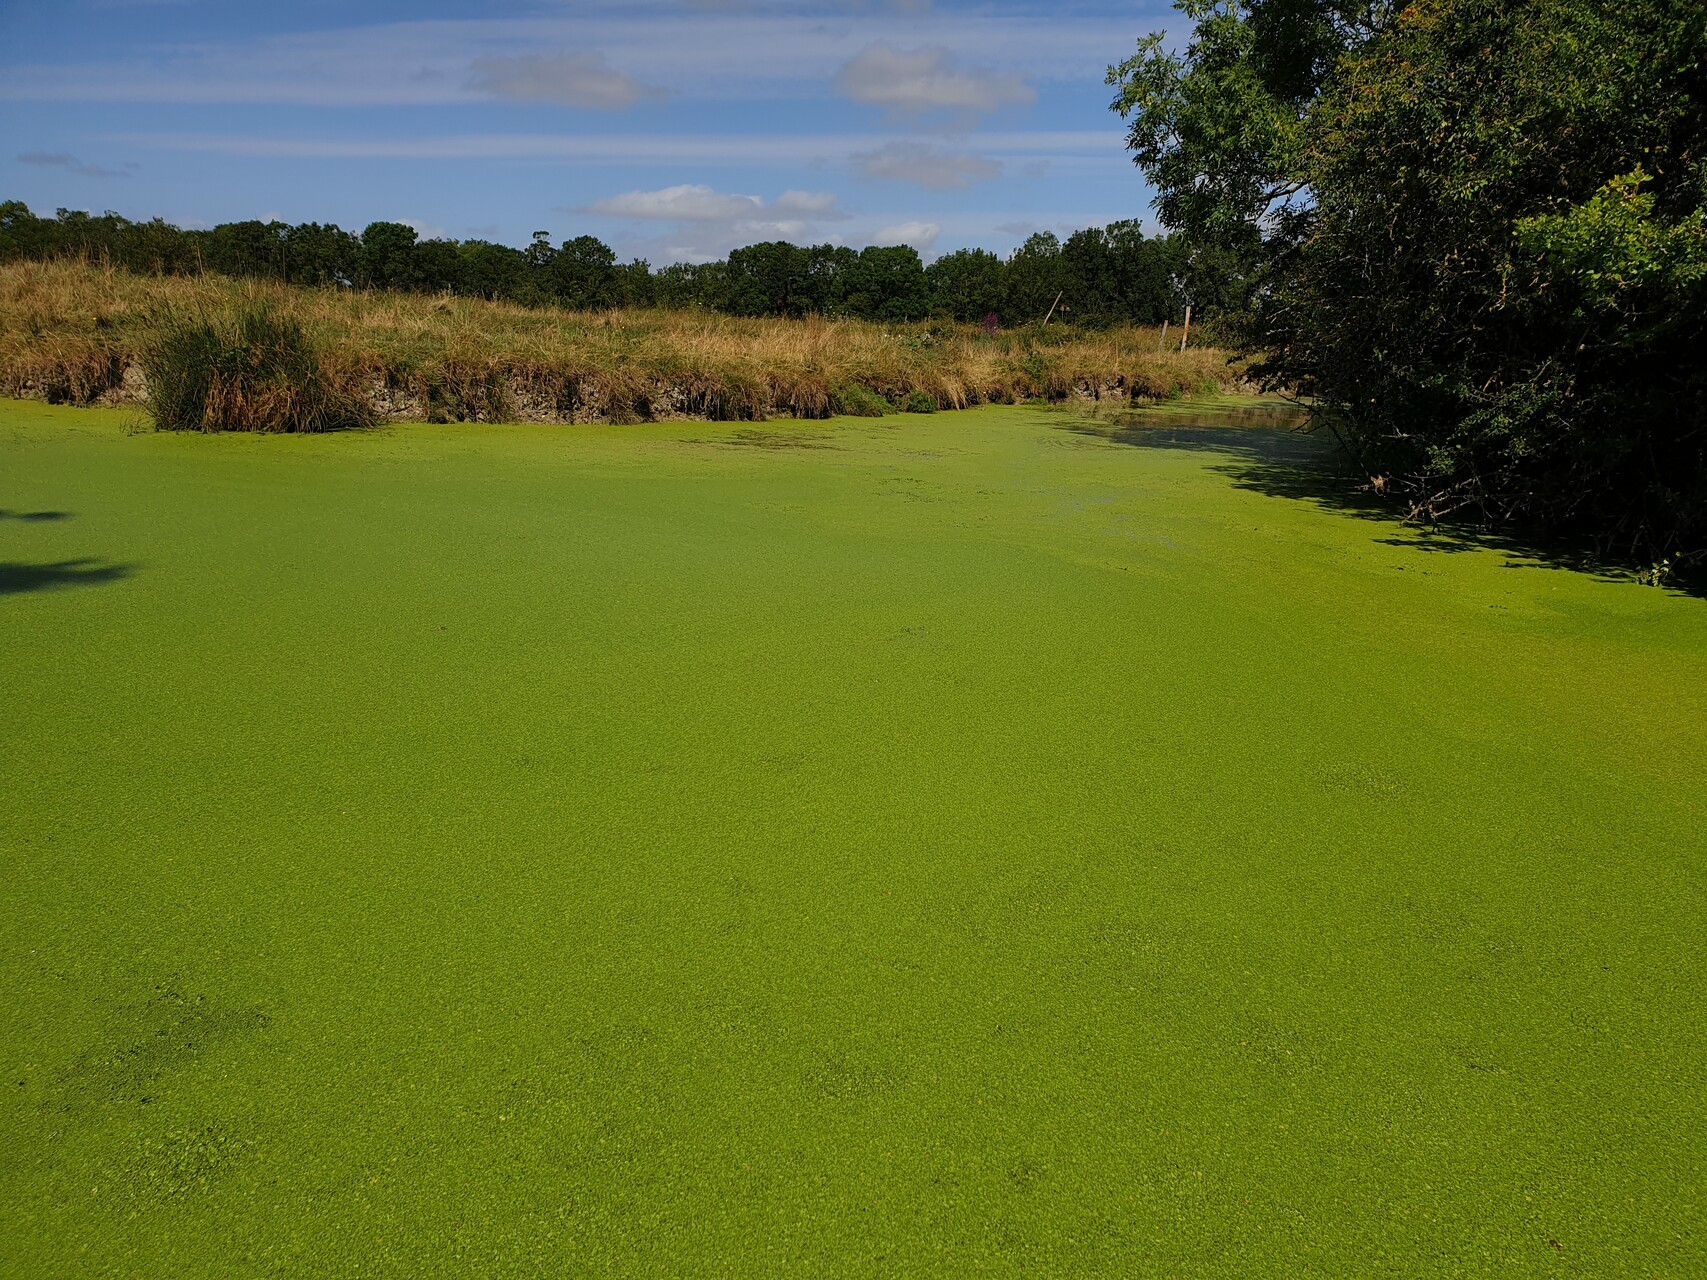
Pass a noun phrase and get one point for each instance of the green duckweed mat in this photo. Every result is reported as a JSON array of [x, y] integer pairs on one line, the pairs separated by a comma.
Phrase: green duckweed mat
[[986, 843]]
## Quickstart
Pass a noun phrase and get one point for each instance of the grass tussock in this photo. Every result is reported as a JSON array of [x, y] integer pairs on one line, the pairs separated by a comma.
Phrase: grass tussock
[[253, 371], [297, 359]]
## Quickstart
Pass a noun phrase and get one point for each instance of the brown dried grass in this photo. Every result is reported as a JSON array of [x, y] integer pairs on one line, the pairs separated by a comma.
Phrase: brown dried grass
[[77, 333]]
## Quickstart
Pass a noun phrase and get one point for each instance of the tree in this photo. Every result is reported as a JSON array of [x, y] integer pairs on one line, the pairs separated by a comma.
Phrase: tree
[[583, 274], [1479, 227], [636, 284], [387, 259], [438, 266], [1035, 278], [767, 280], [321, 255], [539, 252], [1149, 273], [250, 248], [497, 271], [1219, 130], [886, 283], [22, 234], [967, 284]]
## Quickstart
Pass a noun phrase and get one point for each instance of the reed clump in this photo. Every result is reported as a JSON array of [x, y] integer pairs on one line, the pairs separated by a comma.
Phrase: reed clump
[[254, 370], [81, 334]]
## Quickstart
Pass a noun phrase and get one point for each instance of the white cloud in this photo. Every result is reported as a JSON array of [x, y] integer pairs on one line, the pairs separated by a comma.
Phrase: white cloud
[[809, 204], [709, 223], [915, 83], [930, 167], [921, 235], [568, 79], [769, 51], [686, 203], [697, 203], [425, 230]]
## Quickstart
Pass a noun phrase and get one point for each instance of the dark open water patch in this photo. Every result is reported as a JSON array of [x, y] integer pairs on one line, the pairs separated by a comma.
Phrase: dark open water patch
[[147, 1042], [770, 438], [1275, 415]]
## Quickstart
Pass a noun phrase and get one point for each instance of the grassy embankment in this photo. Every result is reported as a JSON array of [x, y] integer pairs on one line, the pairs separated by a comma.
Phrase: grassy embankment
[[71, 333], [1000, 846]]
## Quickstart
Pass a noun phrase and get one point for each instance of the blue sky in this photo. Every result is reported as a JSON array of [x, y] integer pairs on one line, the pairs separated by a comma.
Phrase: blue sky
[[672, 129]]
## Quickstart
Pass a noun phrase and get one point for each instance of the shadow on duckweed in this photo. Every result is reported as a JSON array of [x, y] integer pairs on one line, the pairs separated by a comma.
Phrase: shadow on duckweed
[[1273, 450], [17, 577]]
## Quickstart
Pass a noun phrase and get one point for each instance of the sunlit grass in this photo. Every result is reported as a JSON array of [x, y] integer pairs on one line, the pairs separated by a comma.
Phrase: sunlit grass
[[71, 333]]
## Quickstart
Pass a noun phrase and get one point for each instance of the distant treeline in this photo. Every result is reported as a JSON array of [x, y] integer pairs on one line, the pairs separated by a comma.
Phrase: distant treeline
[[1101, 275]]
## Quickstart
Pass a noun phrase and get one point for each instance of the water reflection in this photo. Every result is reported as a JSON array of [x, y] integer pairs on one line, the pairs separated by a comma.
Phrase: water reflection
[[1270, 432], [1277, 415]]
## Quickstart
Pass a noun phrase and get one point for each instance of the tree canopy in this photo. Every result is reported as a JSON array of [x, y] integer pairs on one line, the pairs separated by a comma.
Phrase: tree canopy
[[1477, 237], [1102, 275]]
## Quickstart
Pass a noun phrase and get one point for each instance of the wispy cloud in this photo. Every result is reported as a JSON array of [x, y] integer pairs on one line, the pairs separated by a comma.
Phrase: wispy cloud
[[1102, 146], [920, 84], [425, 230], [765, 53], [708, 223], [931, 167], [568, 79], [71, 164]]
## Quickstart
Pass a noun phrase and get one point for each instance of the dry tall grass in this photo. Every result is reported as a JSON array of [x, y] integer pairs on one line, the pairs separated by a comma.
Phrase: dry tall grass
[[79, 334]]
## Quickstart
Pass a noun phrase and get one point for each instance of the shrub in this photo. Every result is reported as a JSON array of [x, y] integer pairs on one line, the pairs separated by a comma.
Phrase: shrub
[[919, 402], [849, 400], [256, 372], [467, 392], [1482, 235]]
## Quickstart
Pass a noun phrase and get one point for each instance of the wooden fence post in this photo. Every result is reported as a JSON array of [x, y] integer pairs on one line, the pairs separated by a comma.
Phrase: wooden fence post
[[1187, 333], [1162, 342]]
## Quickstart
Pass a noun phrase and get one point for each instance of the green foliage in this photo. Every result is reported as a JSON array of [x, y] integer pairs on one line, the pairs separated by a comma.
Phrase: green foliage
[[1480, 228], [387, 259], [886, 283], [966, 284], [848, 400], [584, 274], [1612, 248], [1110, 273], [919, 402], [1034, 365], [1036, 278], [1102, 276], [1217, 138], [256, 373], [1220, 130]]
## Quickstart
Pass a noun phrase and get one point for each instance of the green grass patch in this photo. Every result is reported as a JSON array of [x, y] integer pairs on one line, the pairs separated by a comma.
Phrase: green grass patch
[[848, 400], [981, 843]]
